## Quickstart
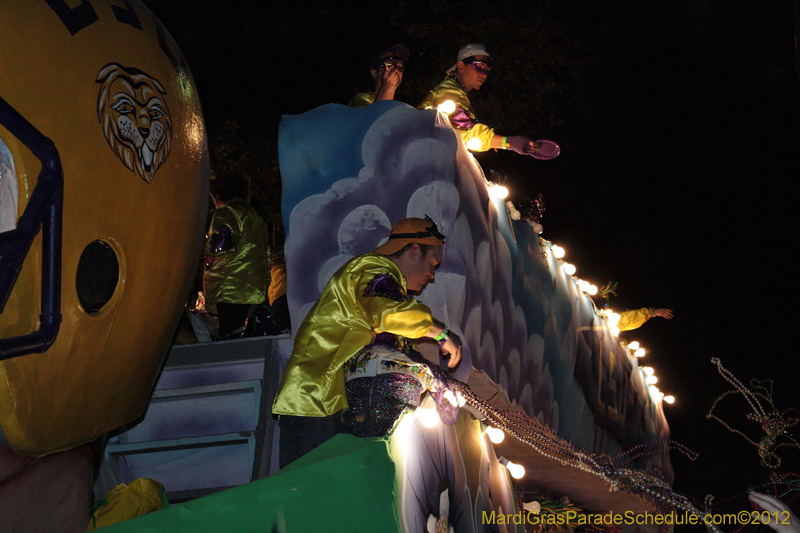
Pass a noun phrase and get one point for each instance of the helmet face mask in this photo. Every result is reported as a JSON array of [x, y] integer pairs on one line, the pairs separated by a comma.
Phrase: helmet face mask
[[9, 190], [108, 86], [43, 210]]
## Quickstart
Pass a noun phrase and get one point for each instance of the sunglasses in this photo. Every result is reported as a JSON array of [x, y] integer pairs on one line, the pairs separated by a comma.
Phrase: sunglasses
[[392, 62], [430, 231], [482, 66], [433, 229]]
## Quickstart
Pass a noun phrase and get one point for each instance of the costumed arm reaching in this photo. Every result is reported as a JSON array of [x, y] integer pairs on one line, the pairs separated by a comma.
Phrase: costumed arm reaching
[[635, 318], [397, 313], [466, 123]]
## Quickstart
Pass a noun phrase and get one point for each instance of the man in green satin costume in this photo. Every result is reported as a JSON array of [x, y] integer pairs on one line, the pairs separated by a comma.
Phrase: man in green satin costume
[[236, 273], [467, 74], [386, 70], [366, 297]]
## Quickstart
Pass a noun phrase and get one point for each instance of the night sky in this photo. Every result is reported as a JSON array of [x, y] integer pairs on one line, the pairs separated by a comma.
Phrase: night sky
[[677, 179]]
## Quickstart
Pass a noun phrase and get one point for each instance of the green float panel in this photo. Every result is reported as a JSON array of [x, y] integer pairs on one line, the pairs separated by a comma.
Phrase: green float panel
[[348, 484]]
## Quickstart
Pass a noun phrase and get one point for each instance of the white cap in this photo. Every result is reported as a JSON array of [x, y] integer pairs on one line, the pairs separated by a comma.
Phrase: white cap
[[472, 49]]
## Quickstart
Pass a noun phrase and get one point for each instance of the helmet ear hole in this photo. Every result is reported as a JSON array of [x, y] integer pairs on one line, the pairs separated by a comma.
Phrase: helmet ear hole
[[97, 277]]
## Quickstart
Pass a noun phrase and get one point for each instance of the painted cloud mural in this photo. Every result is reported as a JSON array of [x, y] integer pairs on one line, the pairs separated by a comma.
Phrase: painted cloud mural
[[348, 174]]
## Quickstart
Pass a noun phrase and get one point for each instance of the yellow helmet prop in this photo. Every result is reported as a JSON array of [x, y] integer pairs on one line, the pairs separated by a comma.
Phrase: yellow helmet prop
[[98, 114]]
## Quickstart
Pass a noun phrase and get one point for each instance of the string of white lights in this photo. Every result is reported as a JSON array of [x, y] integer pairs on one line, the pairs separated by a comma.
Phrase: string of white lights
[[543, 441]]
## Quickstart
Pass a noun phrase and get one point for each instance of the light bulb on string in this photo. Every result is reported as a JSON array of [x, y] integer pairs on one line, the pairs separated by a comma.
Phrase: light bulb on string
[[532, 507], [516, 471], [558, 252], [498, 191], [495, 435], [461, 400], [474, 144], [447, 107], [537, 228], [587, 287], [648, 370], [450, 397], [652, 380], [615, 331], [669, 399], [633, 345], [639, 353], [427, 417], [513, 212], [569, 269]]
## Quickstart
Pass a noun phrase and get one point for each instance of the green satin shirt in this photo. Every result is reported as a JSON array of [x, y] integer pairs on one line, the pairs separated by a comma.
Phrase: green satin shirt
[[239, 275], [343, 321], [363, 99], [450, 89]]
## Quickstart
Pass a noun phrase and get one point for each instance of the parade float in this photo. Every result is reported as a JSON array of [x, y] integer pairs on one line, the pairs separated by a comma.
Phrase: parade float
[[557, 422], [548, 394]]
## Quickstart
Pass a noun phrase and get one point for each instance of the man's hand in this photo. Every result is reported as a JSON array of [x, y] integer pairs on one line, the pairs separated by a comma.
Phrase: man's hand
[[522, 145], [664, 313], [390, 81], [781, 519], [452, 348]]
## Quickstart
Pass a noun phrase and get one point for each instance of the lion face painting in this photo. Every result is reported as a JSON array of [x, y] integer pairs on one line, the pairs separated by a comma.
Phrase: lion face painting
[[135, 118]]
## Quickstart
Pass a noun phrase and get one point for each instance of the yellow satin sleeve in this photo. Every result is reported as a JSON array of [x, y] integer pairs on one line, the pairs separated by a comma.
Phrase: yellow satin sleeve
[[633, 319], [450, 89], [343, 321]]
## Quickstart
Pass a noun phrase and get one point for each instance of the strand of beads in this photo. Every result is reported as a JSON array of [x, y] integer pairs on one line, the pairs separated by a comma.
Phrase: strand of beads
[[640, 450], [730, 378], [545, 442]]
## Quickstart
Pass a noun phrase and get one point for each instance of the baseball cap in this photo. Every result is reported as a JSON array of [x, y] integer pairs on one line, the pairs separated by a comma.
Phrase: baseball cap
[[399, 50], [472, 49], [411, 231]]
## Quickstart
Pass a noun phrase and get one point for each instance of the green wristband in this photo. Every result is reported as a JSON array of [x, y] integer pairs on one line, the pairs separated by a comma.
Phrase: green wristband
[[443, 335]]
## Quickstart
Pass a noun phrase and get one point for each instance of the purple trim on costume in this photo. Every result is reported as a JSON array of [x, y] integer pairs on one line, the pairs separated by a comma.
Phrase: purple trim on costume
[[385, 285], [221, 240], [461, 120], [385, 340]]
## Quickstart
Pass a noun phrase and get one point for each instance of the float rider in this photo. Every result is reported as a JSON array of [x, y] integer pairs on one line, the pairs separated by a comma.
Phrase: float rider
[[236, 274], [386, 70], [469, 72], [365, 303]]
